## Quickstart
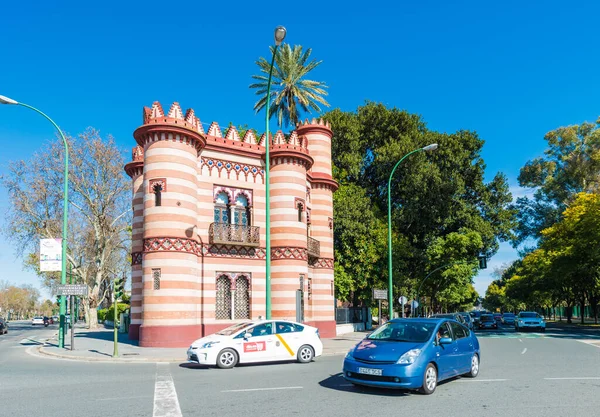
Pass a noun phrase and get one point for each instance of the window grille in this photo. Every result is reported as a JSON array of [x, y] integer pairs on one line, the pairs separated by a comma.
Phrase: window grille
[[242, 298], [223, 301], [156, 278]]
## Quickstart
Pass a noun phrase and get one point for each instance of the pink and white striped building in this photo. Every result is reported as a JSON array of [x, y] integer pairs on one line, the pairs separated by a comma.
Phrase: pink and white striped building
[[198, 251]]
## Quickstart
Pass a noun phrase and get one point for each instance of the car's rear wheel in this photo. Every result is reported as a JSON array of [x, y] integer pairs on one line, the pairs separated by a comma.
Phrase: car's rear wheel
[[474, 367], [305, 354], [227, 359], [429, 380]]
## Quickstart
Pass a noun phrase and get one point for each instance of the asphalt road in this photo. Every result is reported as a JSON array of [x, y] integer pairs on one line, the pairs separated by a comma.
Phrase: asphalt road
[[531, 374]]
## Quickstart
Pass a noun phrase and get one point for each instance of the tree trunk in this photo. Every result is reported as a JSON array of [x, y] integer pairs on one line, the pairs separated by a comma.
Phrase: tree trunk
[[569, 314], [582, 310]]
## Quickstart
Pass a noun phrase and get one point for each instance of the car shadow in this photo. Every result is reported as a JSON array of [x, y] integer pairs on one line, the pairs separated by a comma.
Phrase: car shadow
[[189, 365], [338, 383]]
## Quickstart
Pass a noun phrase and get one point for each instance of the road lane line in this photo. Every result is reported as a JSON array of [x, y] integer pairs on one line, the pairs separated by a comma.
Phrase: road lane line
[[524, 350], [261, 389], [574, 378], [166, 403], [521, 340]]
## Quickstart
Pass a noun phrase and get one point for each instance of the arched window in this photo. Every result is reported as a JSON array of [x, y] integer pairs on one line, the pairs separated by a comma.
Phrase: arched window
[[241, 213], [222, 208], [223, 301], [242, 298]]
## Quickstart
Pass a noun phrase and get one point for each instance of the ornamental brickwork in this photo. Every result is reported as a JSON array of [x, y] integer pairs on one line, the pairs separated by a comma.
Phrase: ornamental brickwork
[[198, 232]]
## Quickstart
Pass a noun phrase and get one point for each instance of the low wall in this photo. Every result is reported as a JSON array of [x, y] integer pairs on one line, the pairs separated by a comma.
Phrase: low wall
[[349, 328]]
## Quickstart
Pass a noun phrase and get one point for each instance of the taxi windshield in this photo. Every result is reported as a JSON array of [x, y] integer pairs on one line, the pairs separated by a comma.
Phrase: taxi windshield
[[403, 332], [234, 329]]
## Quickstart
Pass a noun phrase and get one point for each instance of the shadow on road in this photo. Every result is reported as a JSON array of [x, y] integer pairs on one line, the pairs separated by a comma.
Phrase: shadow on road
[[552, 332], [338, 383], [107, 336]]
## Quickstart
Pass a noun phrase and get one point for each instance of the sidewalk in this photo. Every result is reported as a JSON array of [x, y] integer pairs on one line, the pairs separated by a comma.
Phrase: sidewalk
[[97, 346]]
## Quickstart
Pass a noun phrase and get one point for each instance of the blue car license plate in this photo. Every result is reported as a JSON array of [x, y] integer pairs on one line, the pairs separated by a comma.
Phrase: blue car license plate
[[370, 371]]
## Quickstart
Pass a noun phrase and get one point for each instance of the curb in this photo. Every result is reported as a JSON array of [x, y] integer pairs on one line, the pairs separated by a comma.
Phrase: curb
[[109, 360]]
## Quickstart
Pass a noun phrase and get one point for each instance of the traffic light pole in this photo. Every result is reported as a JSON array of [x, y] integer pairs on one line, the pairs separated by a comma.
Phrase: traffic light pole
[[116, 347]]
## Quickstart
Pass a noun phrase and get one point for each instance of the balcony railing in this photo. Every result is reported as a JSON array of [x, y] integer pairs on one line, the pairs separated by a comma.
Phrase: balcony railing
[[314, 247], [234, 234]]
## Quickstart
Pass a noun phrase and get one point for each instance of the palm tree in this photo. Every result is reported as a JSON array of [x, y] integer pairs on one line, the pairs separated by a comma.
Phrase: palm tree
[[289, 89]]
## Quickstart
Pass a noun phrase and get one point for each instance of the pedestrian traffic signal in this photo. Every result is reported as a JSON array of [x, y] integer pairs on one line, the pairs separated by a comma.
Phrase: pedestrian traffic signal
[[119, 287], [482, 262]]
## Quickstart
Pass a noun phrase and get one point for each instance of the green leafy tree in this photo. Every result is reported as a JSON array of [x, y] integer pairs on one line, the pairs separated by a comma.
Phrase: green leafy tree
[[570, 165], [443, 211], [291, 92]]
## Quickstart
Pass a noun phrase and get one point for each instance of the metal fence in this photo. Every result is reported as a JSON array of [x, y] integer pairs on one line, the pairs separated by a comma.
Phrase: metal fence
[[351, 315]]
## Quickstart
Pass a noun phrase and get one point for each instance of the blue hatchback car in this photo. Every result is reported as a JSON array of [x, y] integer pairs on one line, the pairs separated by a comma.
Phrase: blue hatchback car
[[413, 354]]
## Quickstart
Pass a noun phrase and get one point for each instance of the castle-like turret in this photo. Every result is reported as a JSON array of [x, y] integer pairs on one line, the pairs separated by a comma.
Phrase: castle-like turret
[[171, 143], [317, 134]]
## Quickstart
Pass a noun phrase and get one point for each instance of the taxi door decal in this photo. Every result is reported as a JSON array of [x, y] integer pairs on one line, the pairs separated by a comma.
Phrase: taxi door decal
[[255, 346], [283, 342]]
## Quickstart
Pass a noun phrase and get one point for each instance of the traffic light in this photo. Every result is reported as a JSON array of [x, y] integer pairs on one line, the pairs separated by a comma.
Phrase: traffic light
[[119, 287], [482, 262]]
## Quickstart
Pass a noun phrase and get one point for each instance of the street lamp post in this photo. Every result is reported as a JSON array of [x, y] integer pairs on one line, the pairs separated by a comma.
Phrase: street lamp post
[[63, 271], [431, 147], [279, 37]]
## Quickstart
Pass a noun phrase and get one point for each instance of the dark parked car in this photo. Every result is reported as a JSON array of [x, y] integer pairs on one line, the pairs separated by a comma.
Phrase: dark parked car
[[487, 321], [498, 317], [3, 326], [508, 318], [475, 315], [468, 320]]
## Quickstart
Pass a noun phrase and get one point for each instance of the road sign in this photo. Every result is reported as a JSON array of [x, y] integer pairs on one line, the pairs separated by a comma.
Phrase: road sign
[[415, 304], [71, 289], [402, 300], [379, 294]]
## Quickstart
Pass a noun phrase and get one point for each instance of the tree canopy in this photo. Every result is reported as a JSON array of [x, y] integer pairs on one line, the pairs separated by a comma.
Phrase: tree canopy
[[443, 211]]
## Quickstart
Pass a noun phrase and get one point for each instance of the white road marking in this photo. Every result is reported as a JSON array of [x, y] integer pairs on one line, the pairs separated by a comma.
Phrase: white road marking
[[166, 403], [521, 340], [261, 389], [483, 380], [524, 350], [574, 378]]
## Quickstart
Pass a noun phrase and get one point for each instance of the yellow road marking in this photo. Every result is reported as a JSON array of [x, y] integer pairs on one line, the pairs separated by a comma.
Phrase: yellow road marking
[[285, 344]]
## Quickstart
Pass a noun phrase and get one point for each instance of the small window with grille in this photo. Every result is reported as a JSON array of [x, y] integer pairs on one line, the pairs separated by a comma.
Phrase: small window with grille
[[157, 188], [156, 278], [309, 289]]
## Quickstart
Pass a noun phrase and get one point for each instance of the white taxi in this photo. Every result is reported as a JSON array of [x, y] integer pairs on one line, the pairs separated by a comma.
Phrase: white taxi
[[257, 341]]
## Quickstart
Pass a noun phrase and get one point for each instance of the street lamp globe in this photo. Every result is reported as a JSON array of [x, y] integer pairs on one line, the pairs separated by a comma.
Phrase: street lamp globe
[[431, 147], [279, 35], [6, 100]]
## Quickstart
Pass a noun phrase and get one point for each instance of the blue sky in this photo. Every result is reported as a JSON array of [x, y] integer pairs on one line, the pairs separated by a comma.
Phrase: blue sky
[[509, 70]]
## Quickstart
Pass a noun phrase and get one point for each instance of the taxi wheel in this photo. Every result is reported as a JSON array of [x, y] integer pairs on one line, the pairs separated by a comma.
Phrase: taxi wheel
[[429, 380], [227, 358], [305, 354]]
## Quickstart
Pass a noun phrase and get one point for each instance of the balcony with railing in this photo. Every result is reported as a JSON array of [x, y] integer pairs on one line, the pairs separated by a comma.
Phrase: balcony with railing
[[314, 247], [234, 234]]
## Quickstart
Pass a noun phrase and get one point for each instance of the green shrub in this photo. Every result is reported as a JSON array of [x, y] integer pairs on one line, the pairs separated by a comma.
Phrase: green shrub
[[102, 314], [121, 308]]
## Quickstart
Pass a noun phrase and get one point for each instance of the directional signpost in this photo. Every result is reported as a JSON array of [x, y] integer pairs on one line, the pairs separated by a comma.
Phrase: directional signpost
[[72, 290], [402, 300], [379, 295]]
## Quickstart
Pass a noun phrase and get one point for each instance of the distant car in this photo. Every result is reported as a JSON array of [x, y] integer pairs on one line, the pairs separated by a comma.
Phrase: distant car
[[37, 320], [487, 321], [508, 318], [468, 320], [413, 353], [529, 320], [257, 341], [3, 326], [453, 316], [48, 320], [475, 315], [497, 317]]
